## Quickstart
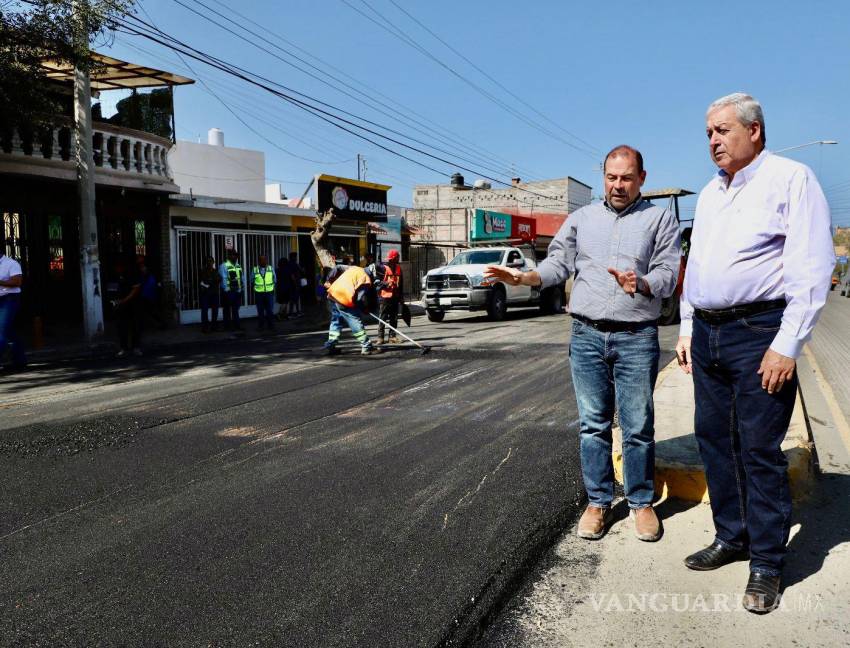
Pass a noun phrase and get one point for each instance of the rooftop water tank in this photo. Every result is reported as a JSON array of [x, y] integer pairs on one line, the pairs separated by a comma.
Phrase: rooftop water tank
[[215, 137], [457, 180]]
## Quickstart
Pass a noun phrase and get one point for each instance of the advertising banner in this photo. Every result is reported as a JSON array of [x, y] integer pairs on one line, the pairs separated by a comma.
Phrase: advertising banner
[[523, 228], [352, 199], [488, 224]]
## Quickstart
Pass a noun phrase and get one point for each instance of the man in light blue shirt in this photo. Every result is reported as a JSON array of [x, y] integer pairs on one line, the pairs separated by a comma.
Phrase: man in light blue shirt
[[624, 253], [758, 275], [231, 290]]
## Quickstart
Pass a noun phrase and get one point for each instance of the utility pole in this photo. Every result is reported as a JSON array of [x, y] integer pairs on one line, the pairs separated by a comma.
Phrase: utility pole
[[89, 255]]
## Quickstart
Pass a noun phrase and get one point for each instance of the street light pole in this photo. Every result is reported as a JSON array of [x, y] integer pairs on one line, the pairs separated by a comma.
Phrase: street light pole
[[799, 146], [84, 157]]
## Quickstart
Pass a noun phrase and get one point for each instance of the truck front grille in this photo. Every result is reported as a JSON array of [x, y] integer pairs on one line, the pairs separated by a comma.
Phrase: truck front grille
[[447, 282]]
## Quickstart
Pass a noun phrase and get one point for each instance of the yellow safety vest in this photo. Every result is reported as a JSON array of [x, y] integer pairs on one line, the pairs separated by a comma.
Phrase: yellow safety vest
[[233, 267], [263, 282]]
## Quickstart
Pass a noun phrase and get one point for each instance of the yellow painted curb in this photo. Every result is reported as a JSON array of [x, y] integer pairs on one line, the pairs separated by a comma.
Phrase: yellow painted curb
[[687, 482]]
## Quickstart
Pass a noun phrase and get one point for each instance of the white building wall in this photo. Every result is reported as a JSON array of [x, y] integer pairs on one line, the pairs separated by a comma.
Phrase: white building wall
[[219, 171], [556, 195]]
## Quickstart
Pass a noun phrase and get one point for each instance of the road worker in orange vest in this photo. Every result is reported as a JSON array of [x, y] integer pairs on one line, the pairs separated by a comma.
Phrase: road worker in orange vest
[[351, 294], [390, 293]]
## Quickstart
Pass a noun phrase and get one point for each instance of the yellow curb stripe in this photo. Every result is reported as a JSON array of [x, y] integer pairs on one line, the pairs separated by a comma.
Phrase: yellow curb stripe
[[831, 402]]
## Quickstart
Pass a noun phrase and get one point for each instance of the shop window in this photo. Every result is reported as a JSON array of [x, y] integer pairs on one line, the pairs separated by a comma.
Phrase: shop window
[[139, 230], [12, 234], [56, 250]]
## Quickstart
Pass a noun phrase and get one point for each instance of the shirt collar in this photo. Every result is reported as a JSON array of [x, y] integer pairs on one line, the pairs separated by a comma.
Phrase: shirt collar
[[628, 209], [744, 175]]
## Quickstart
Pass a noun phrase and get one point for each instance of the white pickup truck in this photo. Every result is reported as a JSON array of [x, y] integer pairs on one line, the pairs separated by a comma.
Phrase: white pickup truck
[[460, 285]]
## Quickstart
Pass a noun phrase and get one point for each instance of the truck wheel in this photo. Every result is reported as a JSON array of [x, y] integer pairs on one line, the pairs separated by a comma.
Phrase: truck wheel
[[498, 305], [551, 300], [669, 312], [436, 315]]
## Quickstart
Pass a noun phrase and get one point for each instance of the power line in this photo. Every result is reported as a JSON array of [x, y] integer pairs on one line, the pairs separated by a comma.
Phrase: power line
[[310, 74], [401, 181], [401, 35], [243, 122], [496, 81], [176, 45], [453, 138]]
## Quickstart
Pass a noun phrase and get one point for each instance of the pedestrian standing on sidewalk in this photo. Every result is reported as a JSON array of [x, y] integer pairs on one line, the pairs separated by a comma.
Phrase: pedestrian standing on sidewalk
[[758, 275], [11, 280], [624, 254], [293, 271], [127, 306], [264, 283], [284, 286], [149, 298], [350, 296], [210, 295], [390, 291], [231, 290]]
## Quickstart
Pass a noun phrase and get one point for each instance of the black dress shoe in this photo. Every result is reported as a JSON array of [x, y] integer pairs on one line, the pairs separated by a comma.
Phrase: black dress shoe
[[762, 593], [714, 556]]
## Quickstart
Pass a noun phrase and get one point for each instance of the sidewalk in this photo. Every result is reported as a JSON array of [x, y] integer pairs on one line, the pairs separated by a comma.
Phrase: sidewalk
[[71, 345], [624, 592]]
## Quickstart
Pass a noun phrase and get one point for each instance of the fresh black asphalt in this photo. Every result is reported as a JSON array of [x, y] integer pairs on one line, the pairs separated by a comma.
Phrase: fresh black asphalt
[[393, 500]]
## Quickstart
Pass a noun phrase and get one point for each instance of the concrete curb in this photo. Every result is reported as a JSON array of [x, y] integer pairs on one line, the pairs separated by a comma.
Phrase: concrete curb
[[685, 479]]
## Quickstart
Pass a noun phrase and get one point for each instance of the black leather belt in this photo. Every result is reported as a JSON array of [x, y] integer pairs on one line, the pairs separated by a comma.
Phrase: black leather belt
[[610, 326], [724, 315]]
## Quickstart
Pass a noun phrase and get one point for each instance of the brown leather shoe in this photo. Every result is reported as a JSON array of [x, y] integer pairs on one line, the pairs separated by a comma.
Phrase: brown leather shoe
[[647, 525], [592, 524]]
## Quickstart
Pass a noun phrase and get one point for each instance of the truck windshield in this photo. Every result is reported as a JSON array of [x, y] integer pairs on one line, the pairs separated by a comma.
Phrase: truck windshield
[[477, 257]]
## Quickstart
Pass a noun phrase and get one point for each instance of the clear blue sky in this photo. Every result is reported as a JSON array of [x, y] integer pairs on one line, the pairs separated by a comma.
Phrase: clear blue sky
[[613, 72]]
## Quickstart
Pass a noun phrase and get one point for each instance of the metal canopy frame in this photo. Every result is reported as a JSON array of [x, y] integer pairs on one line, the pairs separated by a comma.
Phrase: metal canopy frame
[[673, 193], [114, 74]]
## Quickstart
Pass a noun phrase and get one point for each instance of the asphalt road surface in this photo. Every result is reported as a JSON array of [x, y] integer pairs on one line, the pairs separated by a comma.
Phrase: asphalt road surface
[[260, 493]]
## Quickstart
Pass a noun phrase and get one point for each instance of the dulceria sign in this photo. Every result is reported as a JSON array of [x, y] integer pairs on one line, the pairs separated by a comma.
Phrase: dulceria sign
[[352, 199]]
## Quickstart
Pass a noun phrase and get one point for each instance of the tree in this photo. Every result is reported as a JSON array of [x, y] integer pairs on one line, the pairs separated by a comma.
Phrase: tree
[[34, 30]]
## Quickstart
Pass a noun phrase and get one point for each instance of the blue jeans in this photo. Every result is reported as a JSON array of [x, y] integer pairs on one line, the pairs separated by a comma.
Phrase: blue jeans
[[9, 307], [265, 308], [619, 368], [353, 318], [739, 429]]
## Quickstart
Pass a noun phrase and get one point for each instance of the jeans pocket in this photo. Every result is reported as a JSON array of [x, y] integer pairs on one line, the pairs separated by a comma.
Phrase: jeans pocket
[[768, 322], [645, 332], [578, 327]]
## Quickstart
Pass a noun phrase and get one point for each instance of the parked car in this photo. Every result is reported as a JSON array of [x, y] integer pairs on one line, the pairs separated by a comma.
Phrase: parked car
[[844, 283], [460, 285]]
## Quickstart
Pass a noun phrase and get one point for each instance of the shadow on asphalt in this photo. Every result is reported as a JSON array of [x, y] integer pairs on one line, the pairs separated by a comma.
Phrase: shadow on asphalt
[[239, 356], [824, 527]]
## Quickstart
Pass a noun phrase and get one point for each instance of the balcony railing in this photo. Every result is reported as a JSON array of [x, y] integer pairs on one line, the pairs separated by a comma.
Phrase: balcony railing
[[120, 152]]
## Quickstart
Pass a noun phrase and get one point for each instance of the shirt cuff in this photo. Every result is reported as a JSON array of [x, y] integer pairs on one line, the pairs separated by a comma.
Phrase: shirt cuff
[[653, 284], [686, 328], [787, 345]]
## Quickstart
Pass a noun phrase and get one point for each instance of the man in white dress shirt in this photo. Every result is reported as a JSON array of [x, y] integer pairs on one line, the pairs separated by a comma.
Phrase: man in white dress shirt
[[758, 275], [11, 280]]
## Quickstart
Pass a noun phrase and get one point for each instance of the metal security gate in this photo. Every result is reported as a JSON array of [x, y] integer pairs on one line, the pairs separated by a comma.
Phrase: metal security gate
[[195, 245], [424, 257]]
